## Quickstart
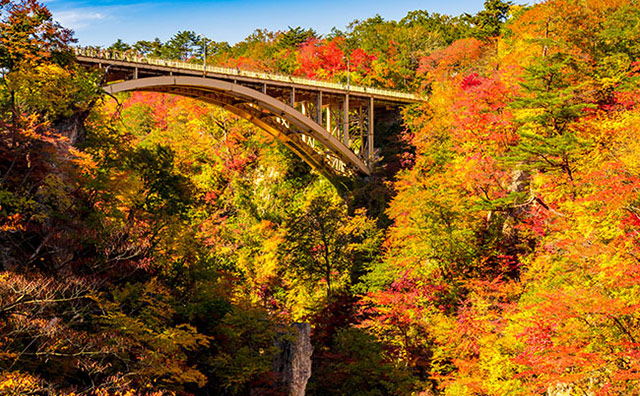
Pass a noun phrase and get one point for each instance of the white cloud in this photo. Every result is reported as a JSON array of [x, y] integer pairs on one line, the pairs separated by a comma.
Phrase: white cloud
[[78, 18]]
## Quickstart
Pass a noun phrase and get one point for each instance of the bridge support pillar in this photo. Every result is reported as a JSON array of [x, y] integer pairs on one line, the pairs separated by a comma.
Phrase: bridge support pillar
[[370, 122], [363, 143], [319, 108], [345, 120]]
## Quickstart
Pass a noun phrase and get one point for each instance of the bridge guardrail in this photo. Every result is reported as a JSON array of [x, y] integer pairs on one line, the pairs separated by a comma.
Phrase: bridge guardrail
[[136, 58]]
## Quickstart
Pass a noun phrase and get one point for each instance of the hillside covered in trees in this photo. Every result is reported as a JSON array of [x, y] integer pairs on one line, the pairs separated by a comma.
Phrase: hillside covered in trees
[[155, 245]]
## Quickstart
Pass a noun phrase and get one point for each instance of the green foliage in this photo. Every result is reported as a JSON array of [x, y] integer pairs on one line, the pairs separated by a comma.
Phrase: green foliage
[[119, 46], [356, 366], [554, 102], [324, 244], [181, 46], [246, 350], [621, 31], [488, 22], [164, 191], [149, 48], [293, 37]]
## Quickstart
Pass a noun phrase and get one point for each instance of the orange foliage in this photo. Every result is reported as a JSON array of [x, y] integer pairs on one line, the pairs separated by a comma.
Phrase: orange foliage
[[459, 57]]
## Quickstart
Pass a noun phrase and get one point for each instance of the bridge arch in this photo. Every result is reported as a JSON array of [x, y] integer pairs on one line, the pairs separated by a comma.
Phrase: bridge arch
[[265, 112]]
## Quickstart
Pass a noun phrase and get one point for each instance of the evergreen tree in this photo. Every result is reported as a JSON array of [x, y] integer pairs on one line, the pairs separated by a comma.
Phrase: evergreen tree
[[552, 102], [119, 46], [293, 37], [182, 46]]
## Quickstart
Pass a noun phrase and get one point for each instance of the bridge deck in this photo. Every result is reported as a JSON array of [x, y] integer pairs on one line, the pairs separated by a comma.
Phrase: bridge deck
[[88, 55], [331, 126]]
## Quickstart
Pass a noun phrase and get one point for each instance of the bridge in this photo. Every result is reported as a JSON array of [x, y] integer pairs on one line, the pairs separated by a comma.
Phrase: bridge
[[329, 125]]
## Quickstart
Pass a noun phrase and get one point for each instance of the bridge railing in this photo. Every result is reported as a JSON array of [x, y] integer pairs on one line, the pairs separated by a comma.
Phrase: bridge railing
[[145, 60]]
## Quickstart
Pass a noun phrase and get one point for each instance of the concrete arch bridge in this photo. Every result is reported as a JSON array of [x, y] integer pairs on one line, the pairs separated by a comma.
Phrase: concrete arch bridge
[[329, 125]]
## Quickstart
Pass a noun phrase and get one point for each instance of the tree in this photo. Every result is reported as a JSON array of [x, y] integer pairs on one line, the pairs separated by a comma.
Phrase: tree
[[324, 244], [29, 35], [182, 46], [446, 28], [488, 22], [149, 48], [554, 103], [294, 37], [321, 59], [120, 46]]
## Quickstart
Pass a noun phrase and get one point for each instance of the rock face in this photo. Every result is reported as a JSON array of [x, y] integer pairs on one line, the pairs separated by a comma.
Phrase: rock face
[[73, 127], [293, 364]]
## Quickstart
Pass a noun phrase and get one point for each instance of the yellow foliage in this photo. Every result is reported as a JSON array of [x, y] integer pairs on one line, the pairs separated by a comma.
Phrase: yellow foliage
[[15, 383], [127, 392], [44, 89]]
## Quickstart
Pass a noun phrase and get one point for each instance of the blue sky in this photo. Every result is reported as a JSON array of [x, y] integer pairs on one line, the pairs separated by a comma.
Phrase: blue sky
[[103, 22]]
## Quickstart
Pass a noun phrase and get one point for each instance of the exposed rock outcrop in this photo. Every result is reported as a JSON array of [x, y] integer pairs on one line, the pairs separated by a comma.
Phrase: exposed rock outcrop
[[293, 364]]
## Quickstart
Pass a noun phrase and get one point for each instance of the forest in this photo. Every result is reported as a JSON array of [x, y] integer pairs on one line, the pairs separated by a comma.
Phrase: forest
[[156, 245]]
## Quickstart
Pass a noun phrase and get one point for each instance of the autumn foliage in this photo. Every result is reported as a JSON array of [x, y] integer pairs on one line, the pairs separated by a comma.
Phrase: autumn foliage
[[153, 245]]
